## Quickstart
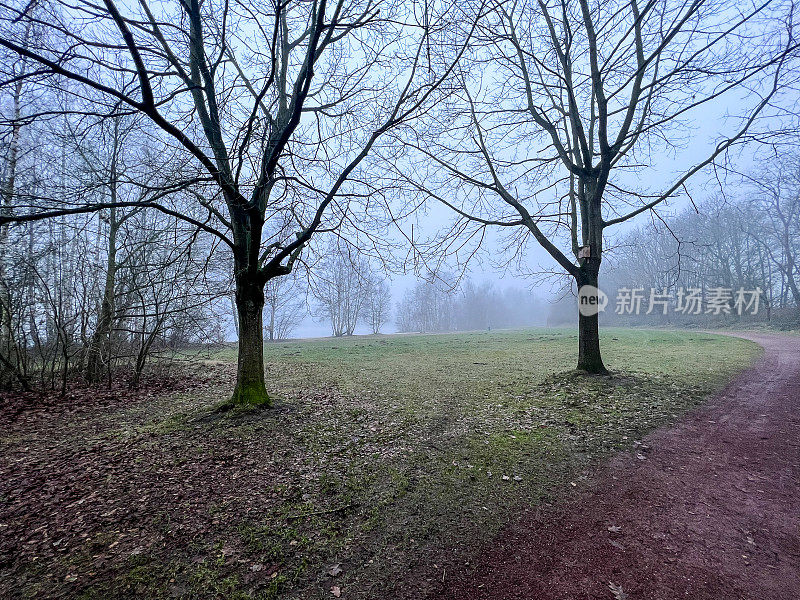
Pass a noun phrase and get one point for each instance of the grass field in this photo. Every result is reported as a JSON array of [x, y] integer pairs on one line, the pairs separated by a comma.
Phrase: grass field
[[390, 459]]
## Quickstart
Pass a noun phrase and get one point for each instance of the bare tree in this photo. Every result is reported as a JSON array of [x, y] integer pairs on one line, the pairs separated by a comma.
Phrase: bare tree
[[8, 188], [377, 303], [777, 199], [103, 157], [479, 307], [341, 289], [162, 291], [276, 105], [286, 307], [428, 307], [711, 246], [565, 105], [77, 282]]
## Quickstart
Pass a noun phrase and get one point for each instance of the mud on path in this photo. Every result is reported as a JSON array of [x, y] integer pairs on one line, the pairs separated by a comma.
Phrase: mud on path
[[709, 508]]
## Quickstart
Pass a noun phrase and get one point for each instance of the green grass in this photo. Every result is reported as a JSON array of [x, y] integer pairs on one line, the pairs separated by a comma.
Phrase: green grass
[[391, 455]]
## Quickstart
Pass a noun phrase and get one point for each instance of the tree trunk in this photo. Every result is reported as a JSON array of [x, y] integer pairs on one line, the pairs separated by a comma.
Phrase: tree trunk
[[793, 283], [790, 264], [272, 310], [250, 388], [100, 340], [589, 358], [7, 208]]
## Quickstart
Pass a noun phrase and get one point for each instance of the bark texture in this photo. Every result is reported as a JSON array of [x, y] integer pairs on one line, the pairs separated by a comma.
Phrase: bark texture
[[589, 358], [250, 385]]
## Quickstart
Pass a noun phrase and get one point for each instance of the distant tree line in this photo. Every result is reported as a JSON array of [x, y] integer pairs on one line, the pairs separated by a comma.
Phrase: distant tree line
[[436, 306], [746, 242]]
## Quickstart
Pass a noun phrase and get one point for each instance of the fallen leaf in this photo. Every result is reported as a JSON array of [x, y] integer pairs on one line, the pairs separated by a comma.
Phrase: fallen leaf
[[335, 570], [616, 545], [617, 591], [336, 591], [614, 528]]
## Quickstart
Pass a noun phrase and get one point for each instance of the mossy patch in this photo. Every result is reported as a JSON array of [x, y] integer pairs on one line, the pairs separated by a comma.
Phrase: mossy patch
[[249, 395]]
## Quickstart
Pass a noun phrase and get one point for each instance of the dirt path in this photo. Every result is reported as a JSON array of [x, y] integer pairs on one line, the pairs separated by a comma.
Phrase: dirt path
[[708, 509]]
